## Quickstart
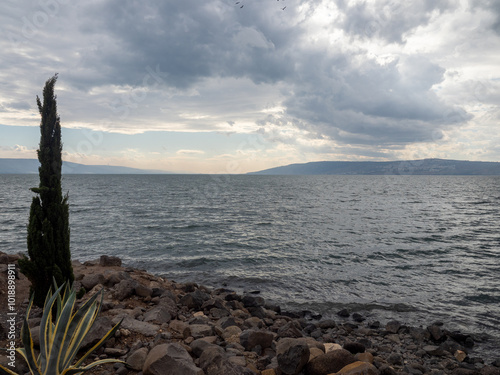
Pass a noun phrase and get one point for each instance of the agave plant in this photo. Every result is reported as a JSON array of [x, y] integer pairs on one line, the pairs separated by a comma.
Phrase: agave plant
[[62, 337]]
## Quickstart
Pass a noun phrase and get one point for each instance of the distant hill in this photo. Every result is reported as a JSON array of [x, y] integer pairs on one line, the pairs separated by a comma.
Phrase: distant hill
[[408, 167], [29, 166]]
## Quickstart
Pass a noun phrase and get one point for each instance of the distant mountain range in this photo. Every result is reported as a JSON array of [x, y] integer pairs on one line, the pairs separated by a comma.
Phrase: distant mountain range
[[29, 166], [407, 167]]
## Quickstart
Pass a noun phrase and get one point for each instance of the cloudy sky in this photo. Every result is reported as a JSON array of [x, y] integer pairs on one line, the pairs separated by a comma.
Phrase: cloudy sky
[[218, 87]]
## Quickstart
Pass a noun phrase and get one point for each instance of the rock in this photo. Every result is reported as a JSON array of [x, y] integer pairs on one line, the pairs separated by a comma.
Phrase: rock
[[496, 362], [395, 359], [344, 313], [115, 277], [437, 333], [490, 370], [354, 347], [35, 336], [226, 322], [158, 315], [143, 290], [314, 352], [170, 305], [364, 357], [212, 358], [115, 352], [231, 331], [329, 346], [109, 261], [144, 328], [99, 329], [253, 337], [387, 370], [90, 281], [137, 359], [359, 368], [434, 350], [172, 358], [180, 328], [199, 345], [293, 355], [330, 362], [290, 329], [326, 324], [358, 318], [194, 300], [252, 301], [393, 326], [124, 289], [200, 330]]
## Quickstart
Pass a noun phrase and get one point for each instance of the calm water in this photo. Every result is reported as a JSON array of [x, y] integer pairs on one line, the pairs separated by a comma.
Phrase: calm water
[[414, 248]]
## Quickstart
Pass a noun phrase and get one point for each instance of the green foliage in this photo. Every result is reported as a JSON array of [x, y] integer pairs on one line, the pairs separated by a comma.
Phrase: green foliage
[[48, 228], [61, 335]]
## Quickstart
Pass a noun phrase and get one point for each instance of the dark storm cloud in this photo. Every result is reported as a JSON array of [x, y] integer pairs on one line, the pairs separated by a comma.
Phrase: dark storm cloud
[[188, 40], [388, 19]]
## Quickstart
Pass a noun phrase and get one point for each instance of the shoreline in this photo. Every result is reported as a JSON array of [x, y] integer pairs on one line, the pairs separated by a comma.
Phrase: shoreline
[[218, 331]]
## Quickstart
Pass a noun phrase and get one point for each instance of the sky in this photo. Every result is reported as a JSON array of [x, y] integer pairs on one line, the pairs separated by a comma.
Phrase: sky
[[216, 86]]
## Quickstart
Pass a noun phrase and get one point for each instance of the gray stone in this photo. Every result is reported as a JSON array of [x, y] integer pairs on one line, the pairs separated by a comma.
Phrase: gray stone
[[293, 355], [90, 281], [437, 333], [252, 301], [434, 350], [212, 356], [125, 289], [194, 300], [35, 336], [137, 359], [200, 330], [226, 322], [109, 261], [291, 329], [179, 328], [253, 337], [115, 352], [326, 324], [143, 290], [100, 328], [158, 315], [171, 359], [354, 347], [330, 362], [144, 328], [199, 345], [170, 305], [114, 277], [395, 359], [393, 326]]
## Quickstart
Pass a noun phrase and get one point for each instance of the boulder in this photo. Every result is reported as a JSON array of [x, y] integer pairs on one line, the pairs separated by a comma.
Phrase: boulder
[[90, 281], [172, 358], [200, 330], [393, 326], [100, 328], [180, 329], [291, 329], [330, 362], [249, 300], [359, 368], [109, 261], [194, 300], [115, 277], [437, 334], [169, 304], [212, 357], [124, 289], [137, 359], [293, 355], [143, 291], [354, 347], [158, 315], [144, 328], [253, 337], [199, 345]]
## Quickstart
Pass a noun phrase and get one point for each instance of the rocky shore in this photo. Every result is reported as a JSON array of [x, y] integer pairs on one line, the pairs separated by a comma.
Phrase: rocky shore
[[190, 329]]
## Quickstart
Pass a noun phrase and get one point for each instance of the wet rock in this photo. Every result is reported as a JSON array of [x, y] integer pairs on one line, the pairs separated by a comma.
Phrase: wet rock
[[158, 315], [359, 368], [358, 317], [172, 357], [110, 261], [354, 347], [293, 355], [330, 362], [393, 326], [253, 337], [137, 359]]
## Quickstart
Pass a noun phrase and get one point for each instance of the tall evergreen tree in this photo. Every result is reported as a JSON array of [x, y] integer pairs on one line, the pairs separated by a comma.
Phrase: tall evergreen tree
[[48, 228]]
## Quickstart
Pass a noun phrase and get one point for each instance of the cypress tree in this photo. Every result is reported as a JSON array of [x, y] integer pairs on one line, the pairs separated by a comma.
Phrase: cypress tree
[[48, 227]]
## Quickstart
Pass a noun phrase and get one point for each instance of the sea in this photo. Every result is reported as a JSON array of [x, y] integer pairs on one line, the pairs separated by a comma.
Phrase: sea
[[419, 249]]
